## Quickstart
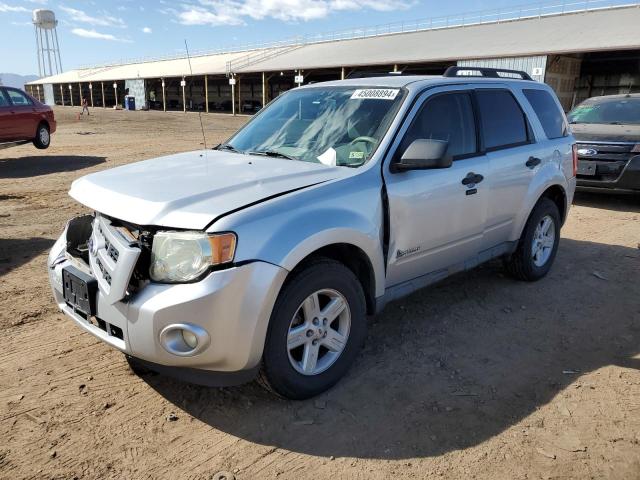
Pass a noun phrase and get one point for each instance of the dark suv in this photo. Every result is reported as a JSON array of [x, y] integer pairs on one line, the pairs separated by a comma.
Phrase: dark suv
[[607, 131]]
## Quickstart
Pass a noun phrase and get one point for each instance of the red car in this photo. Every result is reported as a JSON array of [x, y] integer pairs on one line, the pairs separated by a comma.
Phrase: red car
[[24, 119]]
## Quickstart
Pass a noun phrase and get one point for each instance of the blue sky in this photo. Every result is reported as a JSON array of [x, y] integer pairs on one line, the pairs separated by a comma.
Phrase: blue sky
[[93, 32]]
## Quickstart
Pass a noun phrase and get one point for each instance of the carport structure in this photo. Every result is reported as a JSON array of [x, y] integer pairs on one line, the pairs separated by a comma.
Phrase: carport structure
[[571, 45]]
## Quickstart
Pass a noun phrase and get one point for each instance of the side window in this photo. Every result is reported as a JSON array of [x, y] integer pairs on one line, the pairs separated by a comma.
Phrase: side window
[[446, 117], [548, 113], [3, 100], [18, 98], [503, 122]]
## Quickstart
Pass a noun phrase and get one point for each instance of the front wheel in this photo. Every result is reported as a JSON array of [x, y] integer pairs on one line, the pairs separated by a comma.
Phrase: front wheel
[[43, 137], [317, 328], [538, 244]]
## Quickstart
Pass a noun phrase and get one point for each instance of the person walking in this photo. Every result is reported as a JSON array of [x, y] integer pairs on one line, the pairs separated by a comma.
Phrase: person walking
[[85, 106]]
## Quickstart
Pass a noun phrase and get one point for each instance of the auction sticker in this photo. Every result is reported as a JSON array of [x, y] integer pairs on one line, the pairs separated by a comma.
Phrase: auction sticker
[[375, 94]]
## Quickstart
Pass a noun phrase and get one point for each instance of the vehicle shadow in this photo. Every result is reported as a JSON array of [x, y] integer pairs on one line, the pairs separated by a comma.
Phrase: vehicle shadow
[[451, 366], [34, 166], [16, 252], [623, 202]]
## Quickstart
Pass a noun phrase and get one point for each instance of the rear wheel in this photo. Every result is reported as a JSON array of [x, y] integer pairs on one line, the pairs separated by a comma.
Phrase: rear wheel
[[43, 138], [538, 244], [316, 330]]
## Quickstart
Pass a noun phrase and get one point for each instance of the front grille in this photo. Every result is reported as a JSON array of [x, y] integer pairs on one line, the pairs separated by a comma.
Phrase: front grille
[[609, 159], [112, 258]]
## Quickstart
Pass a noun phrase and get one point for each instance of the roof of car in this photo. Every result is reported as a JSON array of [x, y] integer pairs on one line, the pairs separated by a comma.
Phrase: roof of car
[[414, 81], [604, 98]]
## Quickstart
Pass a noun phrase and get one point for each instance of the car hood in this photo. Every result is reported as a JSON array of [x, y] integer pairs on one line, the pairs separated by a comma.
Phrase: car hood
[[599, 132], [189, 190]]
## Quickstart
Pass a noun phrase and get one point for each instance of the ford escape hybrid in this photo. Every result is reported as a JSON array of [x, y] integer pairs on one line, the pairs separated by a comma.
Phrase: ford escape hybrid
[[264, 256]]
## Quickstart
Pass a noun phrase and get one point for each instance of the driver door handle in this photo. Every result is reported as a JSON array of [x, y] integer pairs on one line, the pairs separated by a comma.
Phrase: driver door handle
[[472, 178], [533, 162]]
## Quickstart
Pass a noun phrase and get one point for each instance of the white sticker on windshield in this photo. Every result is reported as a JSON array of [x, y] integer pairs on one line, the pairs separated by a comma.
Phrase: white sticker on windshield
[[329, 157], [375, 94]]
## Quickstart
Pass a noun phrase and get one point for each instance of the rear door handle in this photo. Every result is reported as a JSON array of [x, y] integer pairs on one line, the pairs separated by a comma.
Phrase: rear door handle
[[533, 162], [472, 178]]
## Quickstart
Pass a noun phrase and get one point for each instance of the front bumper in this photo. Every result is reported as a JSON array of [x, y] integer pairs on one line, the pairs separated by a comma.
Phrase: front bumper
[[623, 176], [232, 305]]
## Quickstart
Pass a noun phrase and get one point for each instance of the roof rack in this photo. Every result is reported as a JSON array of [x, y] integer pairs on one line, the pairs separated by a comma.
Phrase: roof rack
[[373, 74], [484, 72]]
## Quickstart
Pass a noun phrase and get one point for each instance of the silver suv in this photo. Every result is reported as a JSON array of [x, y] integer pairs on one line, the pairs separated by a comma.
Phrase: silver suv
[[264, 256]]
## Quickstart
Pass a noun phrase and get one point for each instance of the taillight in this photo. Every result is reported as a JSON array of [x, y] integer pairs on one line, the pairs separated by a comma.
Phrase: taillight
[[575, 159]]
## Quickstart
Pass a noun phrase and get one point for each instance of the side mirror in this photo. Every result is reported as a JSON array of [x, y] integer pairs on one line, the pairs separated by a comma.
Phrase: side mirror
[[424, 154]]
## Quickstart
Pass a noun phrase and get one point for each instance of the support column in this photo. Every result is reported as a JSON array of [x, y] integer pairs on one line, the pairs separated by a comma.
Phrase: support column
[[91, 93], [103, 104], [395, 68], [342, 73], [71, 94], [206, 94], [184, 99], [233, 97], [264, 89], [164, 97], [79, 92], [62, 94], [115, 92], [239, 97]]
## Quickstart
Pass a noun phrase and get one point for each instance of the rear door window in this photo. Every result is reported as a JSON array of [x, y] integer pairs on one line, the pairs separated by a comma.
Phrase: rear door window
[[503, 122], [18, 98], [447, 117], [548, 113]]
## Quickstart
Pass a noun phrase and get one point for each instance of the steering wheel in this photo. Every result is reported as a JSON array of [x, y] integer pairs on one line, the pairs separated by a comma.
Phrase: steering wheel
[[371, 140]]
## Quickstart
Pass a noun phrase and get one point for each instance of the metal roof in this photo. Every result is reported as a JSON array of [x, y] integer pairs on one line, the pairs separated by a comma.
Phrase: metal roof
[[587, 31]]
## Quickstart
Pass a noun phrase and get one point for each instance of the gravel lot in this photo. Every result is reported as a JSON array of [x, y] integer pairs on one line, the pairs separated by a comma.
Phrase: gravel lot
[[478, 377]]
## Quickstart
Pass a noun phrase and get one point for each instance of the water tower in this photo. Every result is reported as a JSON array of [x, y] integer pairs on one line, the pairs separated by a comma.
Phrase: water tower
[[45, 23]]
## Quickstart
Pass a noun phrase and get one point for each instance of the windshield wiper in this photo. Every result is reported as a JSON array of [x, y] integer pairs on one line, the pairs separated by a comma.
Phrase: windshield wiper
[[227, 146], [271, 153]]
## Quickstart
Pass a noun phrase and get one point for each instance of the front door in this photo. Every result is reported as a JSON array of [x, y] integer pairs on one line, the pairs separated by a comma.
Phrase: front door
[[24, 116], [436, 217]]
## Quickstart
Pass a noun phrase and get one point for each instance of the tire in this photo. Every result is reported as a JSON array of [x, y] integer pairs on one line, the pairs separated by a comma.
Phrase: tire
[[285, 370], [136, 367], [42, 139], [526, 263]]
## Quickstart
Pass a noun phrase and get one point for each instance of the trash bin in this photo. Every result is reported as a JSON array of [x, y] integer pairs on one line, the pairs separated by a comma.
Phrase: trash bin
[[130, 103]]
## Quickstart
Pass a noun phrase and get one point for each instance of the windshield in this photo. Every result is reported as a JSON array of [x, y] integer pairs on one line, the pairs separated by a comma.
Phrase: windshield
[[331, 125], [624, 111]]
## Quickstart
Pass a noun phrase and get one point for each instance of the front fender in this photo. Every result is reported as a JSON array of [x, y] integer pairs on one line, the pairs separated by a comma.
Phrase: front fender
[[286, 230]]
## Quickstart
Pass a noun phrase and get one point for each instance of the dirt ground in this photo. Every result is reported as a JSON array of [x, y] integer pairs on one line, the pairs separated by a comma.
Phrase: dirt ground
[[478, 377]]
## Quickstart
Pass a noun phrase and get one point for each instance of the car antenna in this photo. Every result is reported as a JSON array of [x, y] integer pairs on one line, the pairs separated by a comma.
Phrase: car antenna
[[204, 138]]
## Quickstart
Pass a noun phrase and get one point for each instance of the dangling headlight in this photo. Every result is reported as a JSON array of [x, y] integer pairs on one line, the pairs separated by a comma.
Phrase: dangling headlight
[[178, 257]]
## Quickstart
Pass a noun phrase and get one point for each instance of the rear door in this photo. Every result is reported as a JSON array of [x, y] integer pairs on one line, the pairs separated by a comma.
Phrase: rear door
[[436, 221], [513, 157], [25, 118], [6, 123]]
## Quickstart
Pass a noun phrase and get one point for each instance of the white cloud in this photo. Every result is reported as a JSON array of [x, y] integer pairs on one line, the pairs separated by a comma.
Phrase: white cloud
[[147, 30], [103, 20], [10, 8], [81, 32], [234, 12]]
